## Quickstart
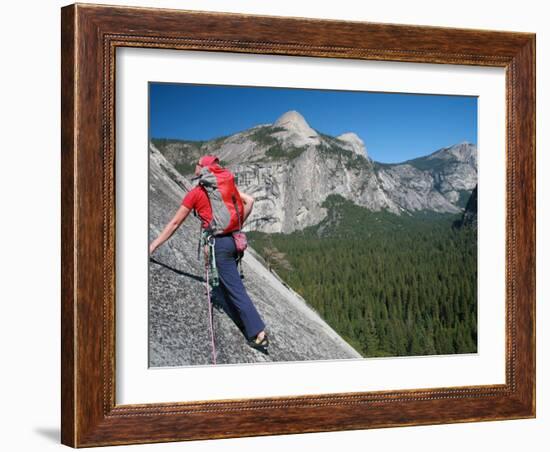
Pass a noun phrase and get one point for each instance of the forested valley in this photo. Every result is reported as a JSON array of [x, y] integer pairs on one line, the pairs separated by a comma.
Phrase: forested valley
[[390, 285]]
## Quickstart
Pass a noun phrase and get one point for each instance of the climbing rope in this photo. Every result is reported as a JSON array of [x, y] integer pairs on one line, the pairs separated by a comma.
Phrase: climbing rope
[[208, 255]]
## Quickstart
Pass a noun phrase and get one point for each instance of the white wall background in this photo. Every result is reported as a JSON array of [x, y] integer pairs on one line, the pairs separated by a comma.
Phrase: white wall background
[[30, 190]]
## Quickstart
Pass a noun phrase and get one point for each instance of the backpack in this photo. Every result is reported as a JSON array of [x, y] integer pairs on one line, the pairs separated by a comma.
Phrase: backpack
[[225, 200]]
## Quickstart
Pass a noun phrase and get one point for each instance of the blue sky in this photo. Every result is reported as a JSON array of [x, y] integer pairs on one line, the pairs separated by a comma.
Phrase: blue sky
[[394, 127]]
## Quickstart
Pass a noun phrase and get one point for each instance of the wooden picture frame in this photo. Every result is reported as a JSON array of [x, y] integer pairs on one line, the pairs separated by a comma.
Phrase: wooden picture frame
[[90, 35]]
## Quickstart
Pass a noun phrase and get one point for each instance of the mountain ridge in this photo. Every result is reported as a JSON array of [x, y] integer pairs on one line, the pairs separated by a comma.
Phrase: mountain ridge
[[291, 168]]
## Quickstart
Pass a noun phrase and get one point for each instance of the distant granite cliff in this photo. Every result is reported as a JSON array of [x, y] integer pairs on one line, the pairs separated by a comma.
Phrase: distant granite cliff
[[469, 216], [290, 169], [178, 311]]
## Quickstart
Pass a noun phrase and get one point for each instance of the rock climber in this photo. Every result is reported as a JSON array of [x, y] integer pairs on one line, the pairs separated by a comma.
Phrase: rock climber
[[226, 255]]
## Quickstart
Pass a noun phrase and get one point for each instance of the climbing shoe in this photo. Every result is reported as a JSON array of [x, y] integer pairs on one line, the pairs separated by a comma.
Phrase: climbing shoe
[[258, 344]]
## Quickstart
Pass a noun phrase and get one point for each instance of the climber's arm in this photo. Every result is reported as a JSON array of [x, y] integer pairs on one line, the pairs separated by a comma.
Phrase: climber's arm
[[170, 228], [248, 202]]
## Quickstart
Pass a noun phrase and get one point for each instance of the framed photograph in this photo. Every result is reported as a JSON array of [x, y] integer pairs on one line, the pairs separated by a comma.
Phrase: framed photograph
[[281, 225]]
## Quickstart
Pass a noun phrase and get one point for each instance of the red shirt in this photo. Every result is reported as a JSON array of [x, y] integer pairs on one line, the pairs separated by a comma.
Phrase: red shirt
[[198, 199]]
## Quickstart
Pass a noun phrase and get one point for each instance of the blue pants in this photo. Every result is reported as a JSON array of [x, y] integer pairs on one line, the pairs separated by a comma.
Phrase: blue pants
[[233, 288]]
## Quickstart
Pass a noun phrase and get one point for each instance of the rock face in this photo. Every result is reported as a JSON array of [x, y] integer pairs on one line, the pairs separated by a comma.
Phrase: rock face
[[290, 169], [469, 217], [178, 310], [296, 131], [352, 142]]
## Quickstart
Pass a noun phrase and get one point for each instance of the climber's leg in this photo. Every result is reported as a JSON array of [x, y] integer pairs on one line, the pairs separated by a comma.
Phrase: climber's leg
[[231, 281]]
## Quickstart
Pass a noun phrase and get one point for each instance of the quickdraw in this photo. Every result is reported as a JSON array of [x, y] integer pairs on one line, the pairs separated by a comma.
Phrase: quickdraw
[[207, 242]]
